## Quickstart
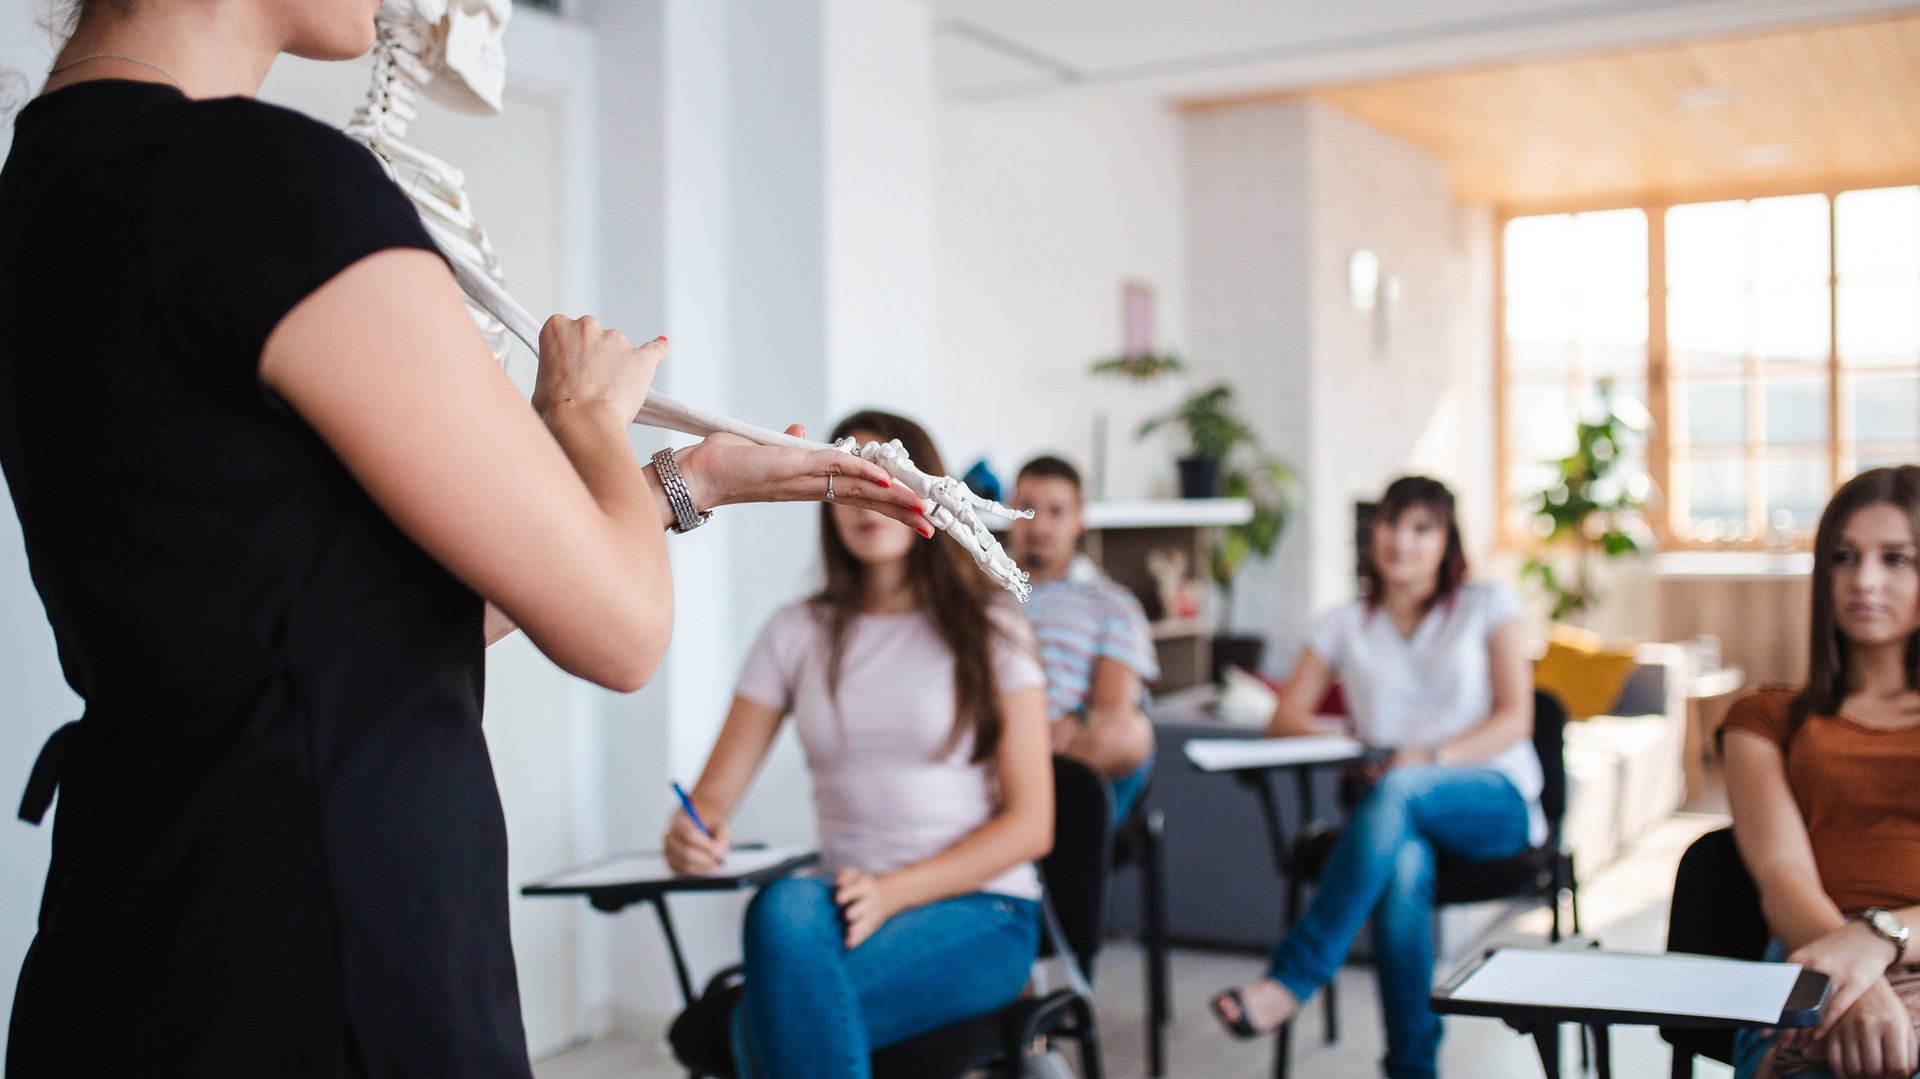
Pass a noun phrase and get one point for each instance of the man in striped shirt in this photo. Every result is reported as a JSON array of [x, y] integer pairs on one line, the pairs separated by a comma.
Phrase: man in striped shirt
[[1094, 641]]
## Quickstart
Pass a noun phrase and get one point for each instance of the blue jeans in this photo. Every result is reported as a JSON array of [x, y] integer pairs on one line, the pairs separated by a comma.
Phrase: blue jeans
[[814, 1009], [1751, 1044], [1384, 867], [1127, 789]]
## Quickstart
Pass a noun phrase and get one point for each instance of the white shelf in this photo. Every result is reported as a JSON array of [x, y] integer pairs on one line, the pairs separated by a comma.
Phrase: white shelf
[[1732, 565], [1172, 628], [1716, 683], [1169, 513]]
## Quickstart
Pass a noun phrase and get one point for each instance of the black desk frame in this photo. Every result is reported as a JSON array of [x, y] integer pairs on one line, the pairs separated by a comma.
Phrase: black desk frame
[[1260, 779], [614, 898], [1542, 1021]]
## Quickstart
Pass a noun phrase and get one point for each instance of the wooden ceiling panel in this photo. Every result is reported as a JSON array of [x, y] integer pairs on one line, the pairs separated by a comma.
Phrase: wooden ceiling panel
[[1828, 106]]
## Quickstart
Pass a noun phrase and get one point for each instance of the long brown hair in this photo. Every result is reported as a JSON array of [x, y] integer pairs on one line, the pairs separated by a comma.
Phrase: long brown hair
[[1826, 686], [1403, 494], [956, 596]]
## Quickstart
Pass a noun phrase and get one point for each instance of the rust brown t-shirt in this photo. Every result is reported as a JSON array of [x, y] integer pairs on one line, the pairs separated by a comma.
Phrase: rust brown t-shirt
[[1858, 789]]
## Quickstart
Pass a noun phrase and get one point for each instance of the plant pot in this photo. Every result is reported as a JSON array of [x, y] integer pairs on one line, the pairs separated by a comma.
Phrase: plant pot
[[1199, 477], [1243, 650]]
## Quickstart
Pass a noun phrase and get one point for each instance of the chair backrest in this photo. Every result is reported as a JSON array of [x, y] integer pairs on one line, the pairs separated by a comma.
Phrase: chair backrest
[[1716, 911], [1549, 741], [1716, 908], [1079, 868]]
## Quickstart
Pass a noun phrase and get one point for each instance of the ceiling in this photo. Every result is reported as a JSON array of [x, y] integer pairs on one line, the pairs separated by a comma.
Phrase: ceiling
[[1806, 109], [997, 50], [1532, 104]]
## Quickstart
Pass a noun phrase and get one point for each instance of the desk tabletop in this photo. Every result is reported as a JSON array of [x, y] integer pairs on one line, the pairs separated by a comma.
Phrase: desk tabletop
[[1251, 754], [641, 875], [1595, 986]]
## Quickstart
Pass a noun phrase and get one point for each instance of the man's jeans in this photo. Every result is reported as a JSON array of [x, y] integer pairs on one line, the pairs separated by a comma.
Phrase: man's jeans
[[1383, 867], [814, 1009]]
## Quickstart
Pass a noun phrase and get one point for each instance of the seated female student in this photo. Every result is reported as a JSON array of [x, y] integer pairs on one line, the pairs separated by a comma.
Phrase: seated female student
[[1435, 672], [1824, 784], [918, 697]]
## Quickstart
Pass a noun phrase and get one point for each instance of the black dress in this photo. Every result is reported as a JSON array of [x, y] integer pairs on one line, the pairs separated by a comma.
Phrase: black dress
[[278, 848]]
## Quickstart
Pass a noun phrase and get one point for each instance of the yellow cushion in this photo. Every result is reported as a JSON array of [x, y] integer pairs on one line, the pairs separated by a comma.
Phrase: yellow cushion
[[1583, 671]]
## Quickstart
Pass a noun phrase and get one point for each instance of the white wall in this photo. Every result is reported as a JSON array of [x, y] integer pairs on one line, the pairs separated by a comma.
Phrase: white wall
[[1280, 196], [1045, 208]]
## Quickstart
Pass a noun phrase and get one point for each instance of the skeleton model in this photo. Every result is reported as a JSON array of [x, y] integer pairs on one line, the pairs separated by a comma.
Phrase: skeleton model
[[451, 51]]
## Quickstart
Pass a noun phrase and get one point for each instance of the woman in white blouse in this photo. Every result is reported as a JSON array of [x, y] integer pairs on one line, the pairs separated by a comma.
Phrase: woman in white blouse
[[1436, 676]]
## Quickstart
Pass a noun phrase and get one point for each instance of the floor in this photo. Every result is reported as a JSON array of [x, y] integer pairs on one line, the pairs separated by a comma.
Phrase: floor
[[1625, 907]]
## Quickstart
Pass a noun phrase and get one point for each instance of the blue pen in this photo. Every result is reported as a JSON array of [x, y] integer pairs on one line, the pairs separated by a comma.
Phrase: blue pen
[[686, 803]]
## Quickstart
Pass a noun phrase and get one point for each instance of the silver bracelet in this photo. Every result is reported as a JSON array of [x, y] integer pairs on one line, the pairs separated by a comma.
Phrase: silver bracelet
[[687, 516]]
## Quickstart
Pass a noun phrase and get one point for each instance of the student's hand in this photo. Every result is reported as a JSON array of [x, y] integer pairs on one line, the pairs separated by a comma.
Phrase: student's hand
[[586, 365], [1874, 1039], [688, 851], [863, 902], [726, 469], [1062, 732], [1854, 959]]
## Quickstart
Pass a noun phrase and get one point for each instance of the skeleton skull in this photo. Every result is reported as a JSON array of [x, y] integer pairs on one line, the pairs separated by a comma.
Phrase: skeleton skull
[[462, 47]]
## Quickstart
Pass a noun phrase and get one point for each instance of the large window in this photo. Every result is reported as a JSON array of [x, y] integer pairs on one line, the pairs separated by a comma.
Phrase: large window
[[1783, 355]]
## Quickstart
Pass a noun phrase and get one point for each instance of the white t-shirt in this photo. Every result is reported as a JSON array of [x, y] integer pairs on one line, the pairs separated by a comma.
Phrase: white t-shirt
[[1416, 692], [887, 791]]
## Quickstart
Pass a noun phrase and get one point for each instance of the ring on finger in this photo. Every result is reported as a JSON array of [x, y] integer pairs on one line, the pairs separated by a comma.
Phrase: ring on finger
[[829, 486]]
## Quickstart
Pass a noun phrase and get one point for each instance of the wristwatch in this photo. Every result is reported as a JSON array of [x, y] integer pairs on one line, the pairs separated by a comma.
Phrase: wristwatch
[[687, 516], [1883, 924]]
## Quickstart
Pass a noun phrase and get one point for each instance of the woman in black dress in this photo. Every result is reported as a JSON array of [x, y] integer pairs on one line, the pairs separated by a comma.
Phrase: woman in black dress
[[272, 487]]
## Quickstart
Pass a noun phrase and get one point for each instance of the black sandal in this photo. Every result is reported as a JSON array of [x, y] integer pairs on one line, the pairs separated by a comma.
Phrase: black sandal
[[1238, 1026]]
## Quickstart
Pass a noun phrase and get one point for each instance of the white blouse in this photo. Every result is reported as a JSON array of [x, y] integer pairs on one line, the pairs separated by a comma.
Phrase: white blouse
[[1415, 692]]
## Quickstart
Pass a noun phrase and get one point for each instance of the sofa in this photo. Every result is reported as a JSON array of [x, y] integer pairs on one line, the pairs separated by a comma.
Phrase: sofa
[[1625, 770]]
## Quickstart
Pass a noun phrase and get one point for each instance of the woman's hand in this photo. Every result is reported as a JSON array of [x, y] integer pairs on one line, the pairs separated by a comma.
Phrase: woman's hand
[[1062, 732], [1374, 769], [691, 852], [585, 365], [864, 903], [1855, 960], [1874, 1039], [726, 469]]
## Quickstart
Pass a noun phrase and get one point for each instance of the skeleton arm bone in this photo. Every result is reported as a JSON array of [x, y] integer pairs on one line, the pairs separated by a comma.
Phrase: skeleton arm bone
[[451, 49], [956, 510]]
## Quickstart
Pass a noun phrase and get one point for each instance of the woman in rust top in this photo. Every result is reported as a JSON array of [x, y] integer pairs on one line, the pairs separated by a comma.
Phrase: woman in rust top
[[1825, 798]]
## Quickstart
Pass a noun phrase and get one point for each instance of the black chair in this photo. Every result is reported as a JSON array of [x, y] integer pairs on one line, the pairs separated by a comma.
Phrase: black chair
[[1716, 911], [1140, 841], [1075, 878], [1543, 874]]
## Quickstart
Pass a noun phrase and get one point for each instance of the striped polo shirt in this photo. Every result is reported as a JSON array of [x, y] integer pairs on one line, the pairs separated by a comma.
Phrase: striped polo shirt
[[1080, 618]]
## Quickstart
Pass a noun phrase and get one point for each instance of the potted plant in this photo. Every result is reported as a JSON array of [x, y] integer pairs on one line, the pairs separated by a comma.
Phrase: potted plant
[[1226, 459], [1213, 429], [1594, 507], [1273, 487]]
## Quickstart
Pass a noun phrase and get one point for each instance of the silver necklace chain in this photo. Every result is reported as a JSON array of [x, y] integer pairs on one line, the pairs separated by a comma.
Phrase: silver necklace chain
[[119, 56]]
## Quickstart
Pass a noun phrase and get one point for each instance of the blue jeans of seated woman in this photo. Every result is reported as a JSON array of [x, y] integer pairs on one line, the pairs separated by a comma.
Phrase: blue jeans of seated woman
[[1750, 1044], [813, 1010], [1383, 868]]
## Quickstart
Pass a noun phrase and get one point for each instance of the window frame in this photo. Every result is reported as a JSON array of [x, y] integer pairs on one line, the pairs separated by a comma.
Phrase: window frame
[[1659, 373]]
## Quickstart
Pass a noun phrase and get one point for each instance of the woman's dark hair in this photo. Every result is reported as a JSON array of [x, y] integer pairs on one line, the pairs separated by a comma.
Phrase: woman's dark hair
[[1403, 494], [1827, 650], [946, 585]]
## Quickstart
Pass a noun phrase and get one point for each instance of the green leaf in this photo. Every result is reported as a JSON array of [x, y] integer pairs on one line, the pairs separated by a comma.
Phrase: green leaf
[[1142, 368]]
